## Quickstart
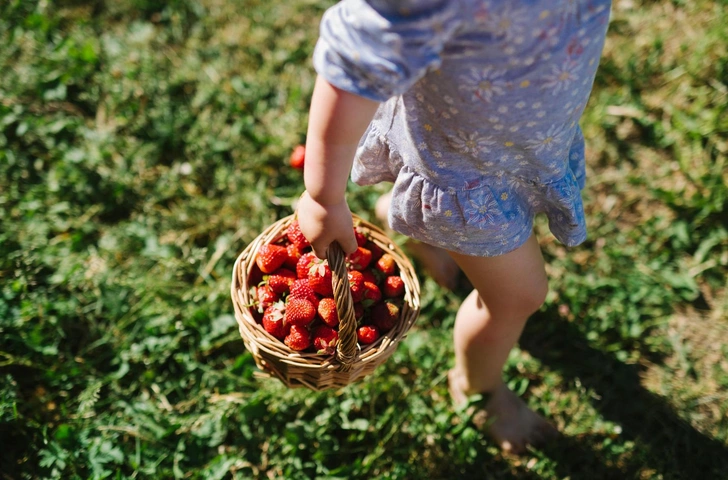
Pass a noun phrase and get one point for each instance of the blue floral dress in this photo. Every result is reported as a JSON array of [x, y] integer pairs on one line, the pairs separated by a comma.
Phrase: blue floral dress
[[478, 129]]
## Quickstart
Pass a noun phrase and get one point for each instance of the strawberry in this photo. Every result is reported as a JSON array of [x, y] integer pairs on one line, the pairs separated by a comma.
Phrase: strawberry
[[271, 257], [281, 280], [301, 289], [367, 334], [298, 157], [356, 285], [386, 264], [325, 339], [294, 254], [385, 315], [299, 312], [296, 237], [393, 287], [304, 264], [369, 276], [372, 294], [319, 277], [327, 311], [298, 338], [273, 321], [361, 239], [358, 311], [256, 276], [376, 250], [360, 259], [266, 297]]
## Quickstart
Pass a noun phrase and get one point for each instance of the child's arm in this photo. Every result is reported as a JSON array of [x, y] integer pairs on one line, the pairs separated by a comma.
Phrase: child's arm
[[337, 121]]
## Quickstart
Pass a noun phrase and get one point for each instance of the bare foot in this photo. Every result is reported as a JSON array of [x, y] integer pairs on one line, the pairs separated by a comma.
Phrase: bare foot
[[506, 418], [436, 261]]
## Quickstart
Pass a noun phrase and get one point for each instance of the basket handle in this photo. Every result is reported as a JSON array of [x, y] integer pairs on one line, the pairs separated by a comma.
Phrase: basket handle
[[347, 348]]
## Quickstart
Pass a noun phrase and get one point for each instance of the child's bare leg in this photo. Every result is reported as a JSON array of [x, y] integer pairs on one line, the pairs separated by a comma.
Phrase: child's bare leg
[[435, 260], [509, 288]]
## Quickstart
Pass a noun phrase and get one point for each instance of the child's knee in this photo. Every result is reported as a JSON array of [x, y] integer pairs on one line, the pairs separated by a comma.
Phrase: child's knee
[[535, 297], [523, 301]]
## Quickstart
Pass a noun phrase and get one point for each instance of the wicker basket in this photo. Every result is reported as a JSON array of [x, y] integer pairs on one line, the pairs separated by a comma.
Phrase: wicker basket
[[350, 363]]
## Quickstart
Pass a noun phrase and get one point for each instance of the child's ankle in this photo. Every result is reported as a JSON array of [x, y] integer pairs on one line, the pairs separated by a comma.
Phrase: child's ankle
[[460, 382], [470, 389]]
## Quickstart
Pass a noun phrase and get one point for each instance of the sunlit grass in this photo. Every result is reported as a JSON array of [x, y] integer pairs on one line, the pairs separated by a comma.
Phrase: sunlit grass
[[143, 144]]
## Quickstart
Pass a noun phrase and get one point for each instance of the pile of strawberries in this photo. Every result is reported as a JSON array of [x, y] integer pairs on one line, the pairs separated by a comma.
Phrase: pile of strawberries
[[294, 298]]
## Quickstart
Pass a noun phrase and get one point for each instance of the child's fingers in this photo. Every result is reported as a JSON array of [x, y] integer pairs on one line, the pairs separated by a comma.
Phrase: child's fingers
[[319, 248], [348, 243]]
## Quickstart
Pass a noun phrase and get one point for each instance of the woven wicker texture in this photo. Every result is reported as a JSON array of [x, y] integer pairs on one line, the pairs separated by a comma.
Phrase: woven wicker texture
[[350, 362]]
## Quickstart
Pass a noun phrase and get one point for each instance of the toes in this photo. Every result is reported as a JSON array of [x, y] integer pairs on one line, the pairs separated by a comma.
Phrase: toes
[[513, 447]]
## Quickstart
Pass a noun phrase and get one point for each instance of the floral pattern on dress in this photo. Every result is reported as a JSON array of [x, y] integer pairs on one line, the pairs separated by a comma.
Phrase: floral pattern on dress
[[482, 208], [472, 143], [484, 84]]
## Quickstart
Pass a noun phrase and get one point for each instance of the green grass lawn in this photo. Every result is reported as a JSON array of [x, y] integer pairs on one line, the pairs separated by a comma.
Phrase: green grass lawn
[[144, 143]]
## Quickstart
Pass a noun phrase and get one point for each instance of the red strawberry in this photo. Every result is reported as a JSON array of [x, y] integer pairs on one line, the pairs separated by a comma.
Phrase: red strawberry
[[327, 311], [301, 289], [256, 276], [367, 334], [319, 277], [393, 287], [298, 157], [385, 315], [281, 280], [361, 239], [271, 257], [356, 285], [376, 250], [325, 339], [304, 264], [386, 264], [273, 321], [298, 338], [372, 294], [369, 276], [299, 312], [295, 236], [266, 297], [294, 254], [360, 259], [358, 311]]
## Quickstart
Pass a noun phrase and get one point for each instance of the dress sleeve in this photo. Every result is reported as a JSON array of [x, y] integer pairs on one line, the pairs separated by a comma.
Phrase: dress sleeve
[[380, 48]]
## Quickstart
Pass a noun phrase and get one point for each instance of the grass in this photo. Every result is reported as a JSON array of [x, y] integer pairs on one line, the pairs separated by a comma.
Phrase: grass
[[143, 144]]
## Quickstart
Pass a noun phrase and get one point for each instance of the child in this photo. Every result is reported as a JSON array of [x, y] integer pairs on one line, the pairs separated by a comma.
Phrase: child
[[471, 109]]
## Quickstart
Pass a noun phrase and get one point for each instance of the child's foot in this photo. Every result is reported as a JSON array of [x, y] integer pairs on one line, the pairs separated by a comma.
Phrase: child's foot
[[436, 261], [506, 418]]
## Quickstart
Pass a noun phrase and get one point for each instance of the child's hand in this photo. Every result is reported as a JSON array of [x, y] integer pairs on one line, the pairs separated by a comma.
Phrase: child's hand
[[324, 224]]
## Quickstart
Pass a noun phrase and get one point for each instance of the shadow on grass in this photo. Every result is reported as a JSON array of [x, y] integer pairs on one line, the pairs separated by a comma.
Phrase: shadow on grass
[[665, 443], [572, 456]]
